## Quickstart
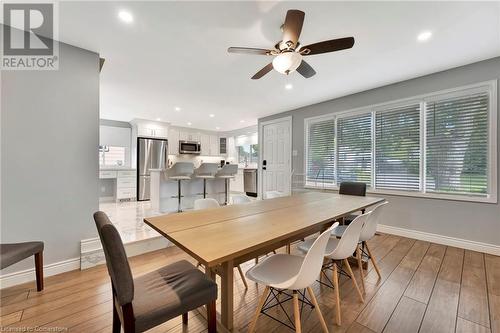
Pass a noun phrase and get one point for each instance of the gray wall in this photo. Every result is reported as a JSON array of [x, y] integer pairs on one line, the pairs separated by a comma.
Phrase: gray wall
[[472, 221], [49, 162]]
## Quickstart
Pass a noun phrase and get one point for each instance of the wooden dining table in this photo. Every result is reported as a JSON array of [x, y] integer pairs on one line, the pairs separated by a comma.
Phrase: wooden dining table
[[222, 238]]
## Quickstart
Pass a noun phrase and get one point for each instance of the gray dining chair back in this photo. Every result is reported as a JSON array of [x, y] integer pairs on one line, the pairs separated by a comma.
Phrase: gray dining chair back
[[353, 188], [116, 259]]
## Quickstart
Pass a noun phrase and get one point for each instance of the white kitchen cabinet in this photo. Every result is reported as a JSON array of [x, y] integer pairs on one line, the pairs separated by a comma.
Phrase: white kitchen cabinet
[[107, 174], [187, 135], [160, 133], [236, 184], [205, 144], [144, 131], [126, 184], [214, 145], [152, 130], [173, 141]]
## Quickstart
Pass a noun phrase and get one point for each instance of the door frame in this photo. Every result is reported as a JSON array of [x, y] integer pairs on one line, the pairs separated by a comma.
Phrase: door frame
[[261, 149]]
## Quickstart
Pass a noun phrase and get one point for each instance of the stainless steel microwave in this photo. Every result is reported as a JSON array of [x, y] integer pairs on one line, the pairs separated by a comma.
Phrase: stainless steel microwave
[[189, 147]]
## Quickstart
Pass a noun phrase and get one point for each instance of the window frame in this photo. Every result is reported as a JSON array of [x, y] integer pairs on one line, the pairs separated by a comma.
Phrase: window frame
[[489, 87]]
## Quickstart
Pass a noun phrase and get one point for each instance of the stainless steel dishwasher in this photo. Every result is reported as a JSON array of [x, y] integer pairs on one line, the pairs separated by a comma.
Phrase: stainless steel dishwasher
[[250, 182]]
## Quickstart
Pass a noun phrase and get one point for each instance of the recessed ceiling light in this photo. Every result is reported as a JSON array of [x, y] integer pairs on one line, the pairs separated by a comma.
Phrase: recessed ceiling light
[[189, 123], [177, 108], [125, 16], [288, 86], [158, 119], [424, 36], [242, 121], [211, 115], [217, 128]]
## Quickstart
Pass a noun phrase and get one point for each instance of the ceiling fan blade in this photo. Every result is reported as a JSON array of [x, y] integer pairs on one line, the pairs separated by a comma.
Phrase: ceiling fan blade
[[249, 50], [306, 70], [293, 26], [263, 72], [328, 46]]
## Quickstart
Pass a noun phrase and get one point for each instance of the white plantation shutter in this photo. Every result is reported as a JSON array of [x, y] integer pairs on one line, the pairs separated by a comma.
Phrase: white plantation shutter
[[397, 148], [320, 151], [354, 148], [457, 145]]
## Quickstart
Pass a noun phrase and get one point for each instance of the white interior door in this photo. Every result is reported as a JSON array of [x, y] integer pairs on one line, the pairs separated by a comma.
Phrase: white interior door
[[276, 156]]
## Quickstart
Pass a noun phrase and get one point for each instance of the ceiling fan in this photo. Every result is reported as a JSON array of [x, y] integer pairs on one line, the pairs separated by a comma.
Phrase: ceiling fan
[[288, 53]]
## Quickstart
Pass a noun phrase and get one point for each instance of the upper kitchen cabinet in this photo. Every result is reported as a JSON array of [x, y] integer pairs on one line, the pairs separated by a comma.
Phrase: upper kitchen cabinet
[[173, 141], [150, 129], [187, 135], [223, 146], [214, 145]]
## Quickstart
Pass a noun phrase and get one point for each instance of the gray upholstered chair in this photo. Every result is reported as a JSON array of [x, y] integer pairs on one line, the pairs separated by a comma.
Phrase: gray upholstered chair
[[15, 252], [352, 188], [149, 300]]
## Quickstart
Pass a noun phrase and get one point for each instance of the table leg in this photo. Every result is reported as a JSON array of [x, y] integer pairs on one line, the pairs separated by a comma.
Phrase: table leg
[[227, 294]]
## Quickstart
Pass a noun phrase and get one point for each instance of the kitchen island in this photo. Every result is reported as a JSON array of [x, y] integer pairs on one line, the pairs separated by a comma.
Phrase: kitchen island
[[164, 191]]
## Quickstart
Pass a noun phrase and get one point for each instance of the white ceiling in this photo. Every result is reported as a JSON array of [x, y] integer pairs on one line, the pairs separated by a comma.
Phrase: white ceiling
[[174, 53]]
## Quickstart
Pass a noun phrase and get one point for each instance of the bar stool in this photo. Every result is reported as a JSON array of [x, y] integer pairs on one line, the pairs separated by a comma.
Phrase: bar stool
[[206, 171], [180, 171], [226, 172]]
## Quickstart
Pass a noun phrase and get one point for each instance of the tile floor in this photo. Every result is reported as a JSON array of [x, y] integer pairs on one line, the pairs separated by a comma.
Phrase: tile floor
[[128, 219]]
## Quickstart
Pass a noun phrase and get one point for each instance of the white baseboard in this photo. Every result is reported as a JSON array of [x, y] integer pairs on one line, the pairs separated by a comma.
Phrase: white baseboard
[[91, 255], [440, 239], [15, 278]]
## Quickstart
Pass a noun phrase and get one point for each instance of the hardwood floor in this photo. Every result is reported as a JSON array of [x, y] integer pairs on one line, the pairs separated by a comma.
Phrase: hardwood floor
[[424, 288]]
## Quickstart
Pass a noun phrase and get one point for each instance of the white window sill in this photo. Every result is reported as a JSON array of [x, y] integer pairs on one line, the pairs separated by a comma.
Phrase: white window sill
[[439, 196]]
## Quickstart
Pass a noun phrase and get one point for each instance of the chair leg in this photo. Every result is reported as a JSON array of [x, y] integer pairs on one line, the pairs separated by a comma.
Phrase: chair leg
[[179, 194], [243, 277], [373, 261], [296, 311], [117, 326], [288, 248], [335, 279], [318, 311], [39, 270], [360, 267], [185, 318], [212, 317], [256, 260], [251, 327], [351, 274]]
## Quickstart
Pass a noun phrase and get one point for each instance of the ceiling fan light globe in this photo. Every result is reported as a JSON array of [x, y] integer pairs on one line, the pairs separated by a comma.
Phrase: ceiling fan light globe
[[287, 62]]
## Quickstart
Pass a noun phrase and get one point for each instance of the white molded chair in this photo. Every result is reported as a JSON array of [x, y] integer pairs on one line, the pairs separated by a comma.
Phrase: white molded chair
[[290, 272], [212, 203], [240, 199], [205, 203], [340, 250], [367, 233]]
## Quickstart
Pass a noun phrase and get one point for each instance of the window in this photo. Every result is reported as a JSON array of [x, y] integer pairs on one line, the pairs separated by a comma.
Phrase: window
[[437, 145], [397, 153], [354, 148], [248, 154], [457, 145], [320, 151], [111, 156]]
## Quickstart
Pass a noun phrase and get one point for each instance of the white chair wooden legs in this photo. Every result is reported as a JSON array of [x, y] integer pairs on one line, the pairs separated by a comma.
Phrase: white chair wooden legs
[[282, 272], [372, 259]]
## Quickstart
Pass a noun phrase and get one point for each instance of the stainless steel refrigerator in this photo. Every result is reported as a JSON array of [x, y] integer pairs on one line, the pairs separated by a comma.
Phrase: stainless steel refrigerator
[[151, 154]]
